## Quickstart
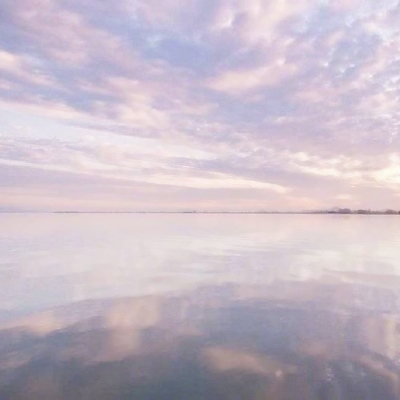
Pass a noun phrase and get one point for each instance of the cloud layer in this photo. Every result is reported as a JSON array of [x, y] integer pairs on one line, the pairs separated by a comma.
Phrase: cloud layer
[[199, 104]]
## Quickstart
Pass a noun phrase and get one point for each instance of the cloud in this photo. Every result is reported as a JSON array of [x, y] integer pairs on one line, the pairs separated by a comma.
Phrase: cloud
[[126, 164], [240, 95], [237, 82]]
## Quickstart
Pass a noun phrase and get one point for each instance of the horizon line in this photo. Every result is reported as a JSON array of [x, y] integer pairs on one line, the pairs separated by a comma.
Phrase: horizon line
[[327, 211]]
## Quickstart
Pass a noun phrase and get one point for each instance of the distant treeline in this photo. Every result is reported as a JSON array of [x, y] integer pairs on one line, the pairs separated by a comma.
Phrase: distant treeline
[[360, 211]]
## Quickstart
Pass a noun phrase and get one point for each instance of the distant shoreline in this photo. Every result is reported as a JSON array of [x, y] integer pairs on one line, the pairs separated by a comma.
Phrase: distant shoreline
[[355, 212]]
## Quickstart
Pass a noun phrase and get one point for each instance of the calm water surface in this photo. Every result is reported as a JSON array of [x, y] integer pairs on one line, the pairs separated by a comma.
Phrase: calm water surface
[[271, 307]]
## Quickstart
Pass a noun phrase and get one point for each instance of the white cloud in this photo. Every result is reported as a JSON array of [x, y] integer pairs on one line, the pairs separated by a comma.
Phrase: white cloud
[[249, 94]]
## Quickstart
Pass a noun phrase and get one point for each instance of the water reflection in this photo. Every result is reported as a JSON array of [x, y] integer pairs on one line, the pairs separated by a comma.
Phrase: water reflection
[[326, 339], [50, 260], [199, 307]]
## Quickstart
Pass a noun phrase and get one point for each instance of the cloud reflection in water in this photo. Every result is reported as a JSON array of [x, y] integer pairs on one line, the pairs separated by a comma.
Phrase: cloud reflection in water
[[317, 340]]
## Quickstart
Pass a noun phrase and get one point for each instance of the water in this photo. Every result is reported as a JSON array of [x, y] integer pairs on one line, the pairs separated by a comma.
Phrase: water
[[131, 306]]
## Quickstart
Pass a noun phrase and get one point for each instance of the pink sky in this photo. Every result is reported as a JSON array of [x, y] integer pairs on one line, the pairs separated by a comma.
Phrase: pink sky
[[207, 105]]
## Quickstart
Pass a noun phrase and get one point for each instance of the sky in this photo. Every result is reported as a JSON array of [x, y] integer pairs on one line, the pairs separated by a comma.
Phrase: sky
[[240, 105]]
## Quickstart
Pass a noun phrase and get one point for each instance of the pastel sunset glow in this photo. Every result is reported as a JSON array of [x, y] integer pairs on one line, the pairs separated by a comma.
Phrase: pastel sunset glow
[[132, 105]]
